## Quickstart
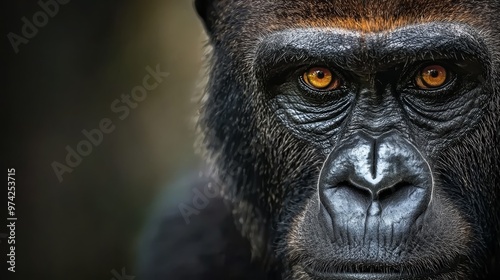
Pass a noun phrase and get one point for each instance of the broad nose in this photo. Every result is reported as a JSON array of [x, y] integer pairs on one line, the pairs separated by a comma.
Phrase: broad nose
[[367, 176]]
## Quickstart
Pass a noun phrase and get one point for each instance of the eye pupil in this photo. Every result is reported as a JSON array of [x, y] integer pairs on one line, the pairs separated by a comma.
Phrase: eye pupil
[[434, 73], [432, 77], [321, 78]]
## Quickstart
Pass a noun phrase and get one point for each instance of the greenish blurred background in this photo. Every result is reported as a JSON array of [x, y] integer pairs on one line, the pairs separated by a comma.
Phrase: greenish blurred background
[[62, 81]]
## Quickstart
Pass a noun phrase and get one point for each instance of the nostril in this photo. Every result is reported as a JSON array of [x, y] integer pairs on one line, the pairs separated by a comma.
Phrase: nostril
[[394, 191], [357, 191], [349, 193]]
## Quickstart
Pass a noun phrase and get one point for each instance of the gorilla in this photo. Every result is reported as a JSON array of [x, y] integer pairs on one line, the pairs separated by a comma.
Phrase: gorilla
[[344, 139]]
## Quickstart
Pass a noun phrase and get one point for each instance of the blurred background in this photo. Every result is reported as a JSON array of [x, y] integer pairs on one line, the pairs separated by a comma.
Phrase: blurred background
[[63, 80]]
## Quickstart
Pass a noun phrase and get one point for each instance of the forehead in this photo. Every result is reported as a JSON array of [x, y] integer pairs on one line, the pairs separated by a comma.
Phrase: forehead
[[362, 15]]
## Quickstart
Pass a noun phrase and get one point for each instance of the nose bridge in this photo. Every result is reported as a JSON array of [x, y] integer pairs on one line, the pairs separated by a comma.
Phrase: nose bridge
[[359, 160], [366, 164], [376, 109], [376, 162], [381, 162]]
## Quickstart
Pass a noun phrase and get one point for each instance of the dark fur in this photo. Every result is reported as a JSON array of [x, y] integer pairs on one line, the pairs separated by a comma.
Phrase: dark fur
[[266, 173]]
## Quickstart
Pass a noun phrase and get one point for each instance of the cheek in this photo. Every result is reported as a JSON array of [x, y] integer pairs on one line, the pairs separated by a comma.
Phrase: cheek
[[316, 123], [437, 125], [468, 173]]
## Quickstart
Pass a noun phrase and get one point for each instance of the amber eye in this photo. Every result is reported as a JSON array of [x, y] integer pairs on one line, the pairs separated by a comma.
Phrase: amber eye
[[320, 78], [431, 77]]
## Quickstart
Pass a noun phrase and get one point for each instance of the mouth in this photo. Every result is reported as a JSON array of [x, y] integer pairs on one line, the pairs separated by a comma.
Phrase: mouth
[[361, 276], [323, 271]]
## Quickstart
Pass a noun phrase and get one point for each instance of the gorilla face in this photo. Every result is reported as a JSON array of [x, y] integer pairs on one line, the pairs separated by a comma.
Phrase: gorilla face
[[358, 140]]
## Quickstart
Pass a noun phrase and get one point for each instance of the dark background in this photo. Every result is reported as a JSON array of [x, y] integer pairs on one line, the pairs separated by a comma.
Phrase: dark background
[[63, 81]]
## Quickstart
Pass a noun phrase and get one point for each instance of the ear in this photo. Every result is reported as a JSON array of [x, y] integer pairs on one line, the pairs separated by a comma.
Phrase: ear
[[206, 11]]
